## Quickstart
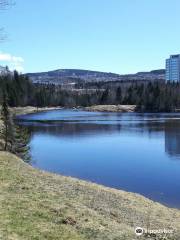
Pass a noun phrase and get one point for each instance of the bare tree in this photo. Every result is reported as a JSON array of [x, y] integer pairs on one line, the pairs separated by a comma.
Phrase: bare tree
[[3, 35], [4, 4]]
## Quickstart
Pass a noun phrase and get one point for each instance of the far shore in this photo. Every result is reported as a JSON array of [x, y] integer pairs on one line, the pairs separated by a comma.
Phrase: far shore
[[94, 108], [31, 109], [111, 108]]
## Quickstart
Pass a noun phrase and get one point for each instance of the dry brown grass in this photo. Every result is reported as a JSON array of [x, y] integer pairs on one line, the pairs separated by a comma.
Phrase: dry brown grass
[[39, 205], [112, 108], [30, 109]]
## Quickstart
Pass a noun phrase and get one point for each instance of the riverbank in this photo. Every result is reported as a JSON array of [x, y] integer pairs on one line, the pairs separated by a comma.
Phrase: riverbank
[[30, 109], [25, 110], [39, 205], [111, 108]]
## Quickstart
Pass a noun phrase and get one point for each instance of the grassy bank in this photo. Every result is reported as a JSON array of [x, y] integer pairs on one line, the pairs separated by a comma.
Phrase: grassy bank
[[36, 205]]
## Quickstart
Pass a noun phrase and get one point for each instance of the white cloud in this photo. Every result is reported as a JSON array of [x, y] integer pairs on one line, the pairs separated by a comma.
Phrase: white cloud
[[19, 68], [14, 63]]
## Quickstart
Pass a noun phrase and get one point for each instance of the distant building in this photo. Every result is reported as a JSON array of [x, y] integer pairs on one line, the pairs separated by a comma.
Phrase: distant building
[[173, 68]]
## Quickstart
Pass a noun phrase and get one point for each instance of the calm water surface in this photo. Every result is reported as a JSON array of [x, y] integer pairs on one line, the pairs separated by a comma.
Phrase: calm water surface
[[135, 152]]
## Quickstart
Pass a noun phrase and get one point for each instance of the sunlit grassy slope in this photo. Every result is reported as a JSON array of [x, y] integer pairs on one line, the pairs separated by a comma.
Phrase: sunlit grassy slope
[[38, 205]]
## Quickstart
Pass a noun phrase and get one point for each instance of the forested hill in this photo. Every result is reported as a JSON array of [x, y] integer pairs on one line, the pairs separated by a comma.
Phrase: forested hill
[[71, 75], [74, 75], [152, 96]]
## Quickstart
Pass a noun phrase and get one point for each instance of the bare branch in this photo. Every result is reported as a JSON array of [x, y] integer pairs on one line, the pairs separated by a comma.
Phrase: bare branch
[[4, 4], [3, 35]]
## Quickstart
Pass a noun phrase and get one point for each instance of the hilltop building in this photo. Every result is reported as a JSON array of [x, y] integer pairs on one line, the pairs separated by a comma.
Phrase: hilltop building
[[173, 68]]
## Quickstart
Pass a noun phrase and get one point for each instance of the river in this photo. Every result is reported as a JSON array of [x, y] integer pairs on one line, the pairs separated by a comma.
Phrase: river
[[130, 151]]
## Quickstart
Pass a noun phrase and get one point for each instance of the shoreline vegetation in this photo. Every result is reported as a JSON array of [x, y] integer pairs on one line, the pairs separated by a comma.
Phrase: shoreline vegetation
[[148, 96], [40, 205], [94, 108], [22, 111]]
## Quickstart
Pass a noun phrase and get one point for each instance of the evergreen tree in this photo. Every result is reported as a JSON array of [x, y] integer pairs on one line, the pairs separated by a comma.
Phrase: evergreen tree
[[15, 138], [104, 98], [118, 95], [21, 140], [8, 130]]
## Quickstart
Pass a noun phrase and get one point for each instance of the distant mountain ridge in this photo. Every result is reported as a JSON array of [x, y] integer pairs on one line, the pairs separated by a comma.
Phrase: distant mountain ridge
[[76, 72], [61, 76], [71, 76]]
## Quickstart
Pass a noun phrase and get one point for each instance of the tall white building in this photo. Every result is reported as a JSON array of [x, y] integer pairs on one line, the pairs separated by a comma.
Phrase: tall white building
[[173, 68]]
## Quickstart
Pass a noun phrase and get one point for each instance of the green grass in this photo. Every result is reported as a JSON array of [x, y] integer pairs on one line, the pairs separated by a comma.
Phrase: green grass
[[36, 205]]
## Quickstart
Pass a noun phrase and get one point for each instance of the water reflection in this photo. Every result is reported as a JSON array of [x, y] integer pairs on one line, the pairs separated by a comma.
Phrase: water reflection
[[172, 138], [170, 129], [63, 129]]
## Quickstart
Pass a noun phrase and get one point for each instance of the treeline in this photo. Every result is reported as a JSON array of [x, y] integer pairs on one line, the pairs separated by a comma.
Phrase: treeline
[[21, 91], [13, 138], [17, 88], [154, 97], [148, 96]]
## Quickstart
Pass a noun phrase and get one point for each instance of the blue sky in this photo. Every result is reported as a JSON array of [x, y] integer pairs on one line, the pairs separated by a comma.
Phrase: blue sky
[[122, 36]]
